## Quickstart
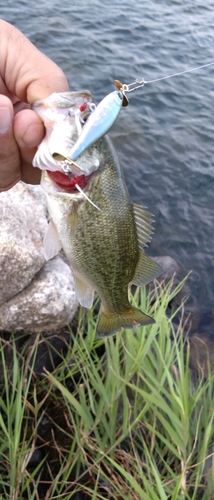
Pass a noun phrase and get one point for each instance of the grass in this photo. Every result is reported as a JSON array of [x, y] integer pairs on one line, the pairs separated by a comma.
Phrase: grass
[[119, 418]]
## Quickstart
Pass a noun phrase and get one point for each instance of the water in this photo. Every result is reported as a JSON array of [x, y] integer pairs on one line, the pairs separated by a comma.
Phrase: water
[[164, 138]]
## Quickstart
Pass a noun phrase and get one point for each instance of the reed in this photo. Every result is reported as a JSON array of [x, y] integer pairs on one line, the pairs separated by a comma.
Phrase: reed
[[126, 420]]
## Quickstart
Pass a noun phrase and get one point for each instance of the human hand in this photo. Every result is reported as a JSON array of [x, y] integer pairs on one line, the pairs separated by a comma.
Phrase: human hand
[[25, 76]]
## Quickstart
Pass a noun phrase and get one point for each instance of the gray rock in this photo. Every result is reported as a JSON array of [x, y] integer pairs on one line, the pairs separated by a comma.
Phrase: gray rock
[[48, 302], [191, 312], [169, 265], [201, 354], [34, 295], [22, 227], [172, 270]]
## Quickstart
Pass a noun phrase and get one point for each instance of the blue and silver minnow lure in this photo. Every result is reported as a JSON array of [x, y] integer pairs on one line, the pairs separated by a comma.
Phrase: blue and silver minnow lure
[[98, 123]]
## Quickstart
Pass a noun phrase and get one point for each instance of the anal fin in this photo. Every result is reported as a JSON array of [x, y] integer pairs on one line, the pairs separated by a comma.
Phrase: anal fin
[[146, 270]]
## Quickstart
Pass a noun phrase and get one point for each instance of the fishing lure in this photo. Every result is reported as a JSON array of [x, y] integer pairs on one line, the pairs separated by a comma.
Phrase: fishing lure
[[97, 125]]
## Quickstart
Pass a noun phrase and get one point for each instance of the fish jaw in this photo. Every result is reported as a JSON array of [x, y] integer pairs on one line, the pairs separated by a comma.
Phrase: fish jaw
[[98, 123], [59, 113]]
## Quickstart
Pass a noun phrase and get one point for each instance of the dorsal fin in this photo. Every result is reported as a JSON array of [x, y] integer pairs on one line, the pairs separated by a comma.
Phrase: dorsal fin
[[143, 220]]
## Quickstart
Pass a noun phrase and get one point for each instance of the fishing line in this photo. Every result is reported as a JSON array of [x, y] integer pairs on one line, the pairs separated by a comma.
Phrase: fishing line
[[180, 73], [140, 83], [85, 196]]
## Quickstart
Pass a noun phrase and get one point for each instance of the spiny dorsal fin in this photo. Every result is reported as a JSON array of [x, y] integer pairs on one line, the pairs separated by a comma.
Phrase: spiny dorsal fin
[[146, 270], [143, 220]]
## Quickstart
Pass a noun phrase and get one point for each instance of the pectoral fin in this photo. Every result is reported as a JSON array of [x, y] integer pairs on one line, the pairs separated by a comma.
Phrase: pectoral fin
[[52, 244], [146, 270], [72, 221], [84, 293]]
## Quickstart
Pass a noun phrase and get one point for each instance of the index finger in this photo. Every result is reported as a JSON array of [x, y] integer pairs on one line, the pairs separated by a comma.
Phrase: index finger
[[27, 72]]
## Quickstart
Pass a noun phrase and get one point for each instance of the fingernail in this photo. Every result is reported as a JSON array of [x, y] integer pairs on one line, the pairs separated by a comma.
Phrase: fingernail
[[5, 119]]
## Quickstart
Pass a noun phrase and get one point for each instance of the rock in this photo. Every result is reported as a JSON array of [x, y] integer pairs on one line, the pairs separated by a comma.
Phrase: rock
[[34, 295], [201, 354], [201, 346], [22, 227], [48, 302], [190, 312], [169, 265]]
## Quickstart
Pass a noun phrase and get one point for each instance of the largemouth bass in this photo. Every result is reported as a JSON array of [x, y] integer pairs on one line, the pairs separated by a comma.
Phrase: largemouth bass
[[103, 246]]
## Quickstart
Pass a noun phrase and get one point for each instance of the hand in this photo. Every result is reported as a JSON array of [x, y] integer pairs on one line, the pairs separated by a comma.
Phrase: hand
[[25, 76]]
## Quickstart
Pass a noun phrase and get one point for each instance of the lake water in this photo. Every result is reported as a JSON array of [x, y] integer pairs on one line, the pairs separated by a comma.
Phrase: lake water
[[164, 138]]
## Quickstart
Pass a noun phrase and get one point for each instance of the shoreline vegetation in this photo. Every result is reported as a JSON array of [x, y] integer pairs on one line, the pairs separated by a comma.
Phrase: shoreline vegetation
[[123, 418]]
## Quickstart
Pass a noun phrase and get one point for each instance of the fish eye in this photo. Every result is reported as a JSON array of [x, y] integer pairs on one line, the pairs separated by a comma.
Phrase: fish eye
[[120, 95]]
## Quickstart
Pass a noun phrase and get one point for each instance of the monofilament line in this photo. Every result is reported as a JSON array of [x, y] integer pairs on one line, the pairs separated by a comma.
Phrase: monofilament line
[[85, 196], [180, 73]]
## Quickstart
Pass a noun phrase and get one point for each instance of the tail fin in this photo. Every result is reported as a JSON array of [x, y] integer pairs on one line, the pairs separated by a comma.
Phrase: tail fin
[[110, 323]]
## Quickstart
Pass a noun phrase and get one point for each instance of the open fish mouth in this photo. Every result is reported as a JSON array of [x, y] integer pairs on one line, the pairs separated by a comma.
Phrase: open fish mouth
[[68, 182], [64, 116], [71, 184]]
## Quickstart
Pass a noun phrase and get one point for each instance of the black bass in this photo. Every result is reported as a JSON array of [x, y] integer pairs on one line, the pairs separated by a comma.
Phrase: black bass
[[102, 235]]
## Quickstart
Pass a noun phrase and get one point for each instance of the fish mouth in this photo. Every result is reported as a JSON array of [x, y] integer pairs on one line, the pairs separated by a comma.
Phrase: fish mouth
[[68, 182], [64, 116]]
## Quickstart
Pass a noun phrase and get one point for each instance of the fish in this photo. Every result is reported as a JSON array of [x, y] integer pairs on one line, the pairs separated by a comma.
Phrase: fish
[[105, 247]]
